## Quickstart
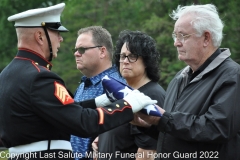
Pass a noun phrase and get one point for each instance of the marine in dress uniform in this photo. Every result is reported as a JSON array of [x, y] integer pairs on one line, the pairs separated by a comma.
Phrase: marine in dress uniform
[[36, 108]]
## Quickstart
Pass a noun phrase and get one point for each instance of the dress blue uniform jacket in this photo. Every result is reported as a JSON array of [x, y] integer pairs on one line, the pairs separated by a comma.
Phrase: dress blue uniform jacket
[[36, 106]]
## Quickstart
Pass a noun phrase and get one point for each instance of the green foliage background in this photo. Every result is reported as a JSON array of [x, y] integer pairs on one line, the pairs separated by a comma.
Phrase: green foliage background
[[150, 16]]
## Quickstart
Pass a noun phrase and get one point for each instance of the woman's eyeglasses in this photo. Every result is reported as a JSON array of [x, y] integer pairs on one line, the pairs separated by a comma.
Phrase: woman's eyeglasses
[[131, 57]]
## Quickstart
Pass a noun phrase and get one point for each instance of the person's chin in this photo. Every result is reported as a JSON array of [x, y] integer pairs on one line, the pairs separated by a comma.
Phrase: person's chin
[[79, 67], [125, 72], [181, 57], [125, 75], [54, 54]]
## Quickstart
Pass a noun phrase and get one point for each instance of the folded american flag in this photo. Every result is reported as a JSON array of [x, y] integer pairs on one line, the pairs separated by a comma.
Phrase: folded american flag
[[116, 90]]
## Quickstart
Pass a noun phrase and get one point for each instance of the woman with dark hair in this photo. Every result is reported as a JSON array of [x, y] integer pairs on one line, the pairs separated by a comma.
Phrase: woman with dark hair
[[137, 60], [139, 45]]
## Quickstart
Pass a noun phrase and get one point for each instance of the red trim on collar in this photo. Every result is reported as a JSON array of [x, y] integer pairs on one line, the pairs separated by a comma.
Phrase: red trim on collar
[[33, 63], [30, 61], [29, 50]]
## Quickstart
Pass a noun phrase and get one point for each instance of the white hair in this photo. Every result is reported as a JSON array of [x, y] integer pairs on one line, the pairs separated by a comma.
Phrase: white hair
[[205, 18]]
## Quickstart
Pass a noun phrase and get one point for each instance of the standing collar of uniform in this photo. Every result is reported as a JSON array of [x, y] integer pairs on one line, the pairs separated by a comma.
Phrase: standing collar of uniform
[[97, 78], [33, 56]]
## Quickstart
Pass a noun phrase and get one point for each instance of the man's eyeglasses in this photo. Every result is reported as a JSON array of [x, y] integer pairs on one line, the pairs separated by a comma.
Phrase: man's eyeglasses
[[180, 37], [82, 50], [131, 58]]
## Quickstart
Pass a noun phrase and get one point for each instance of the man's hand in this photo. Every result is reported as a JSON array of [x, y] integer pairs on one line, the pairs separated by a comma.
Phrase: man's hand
[[138, 100], [137, 121], [143, 120], [95, 148], [95, 145]]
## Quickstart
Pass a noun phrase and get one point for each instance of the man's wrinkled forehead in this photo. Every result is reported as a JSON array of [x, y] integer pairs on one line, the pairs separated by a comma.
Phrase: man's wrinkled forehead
[[183, 24]]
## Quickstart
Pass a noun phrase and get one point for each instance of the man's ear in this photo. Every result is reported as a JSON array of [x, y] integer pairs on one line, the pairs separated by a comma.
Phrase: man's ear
[[207, 38], [38, 35], [103, 51]]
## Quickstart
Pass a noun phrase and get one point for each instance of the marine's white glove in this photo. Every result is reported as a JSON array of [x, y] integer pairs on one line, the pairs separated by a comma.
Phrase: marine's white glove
[[102, 101], [138, 100]]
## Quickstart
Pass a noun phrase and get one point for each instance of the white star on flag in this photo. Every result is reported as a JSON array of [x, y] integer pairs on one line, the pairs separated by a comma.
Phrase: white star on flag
[[150, 108], [111, 95], [125, 91]]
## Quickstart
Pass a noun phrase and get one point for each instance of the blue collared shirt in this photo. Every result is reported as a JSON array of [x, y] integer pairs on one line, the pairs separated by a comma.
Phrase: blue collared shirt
[[88, 89]]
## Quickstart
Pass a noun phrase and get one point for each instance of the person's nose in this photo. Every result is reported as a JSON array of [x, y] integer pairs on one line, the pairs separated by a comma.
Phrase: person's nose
[[76, 53], [61, 39], [126, 60], [177, 43]]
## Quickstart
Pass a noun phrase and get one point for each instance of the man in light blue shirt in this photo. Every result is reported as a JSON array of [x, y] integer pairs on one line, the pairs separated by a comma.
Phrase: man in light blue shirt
[[93, 55]]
